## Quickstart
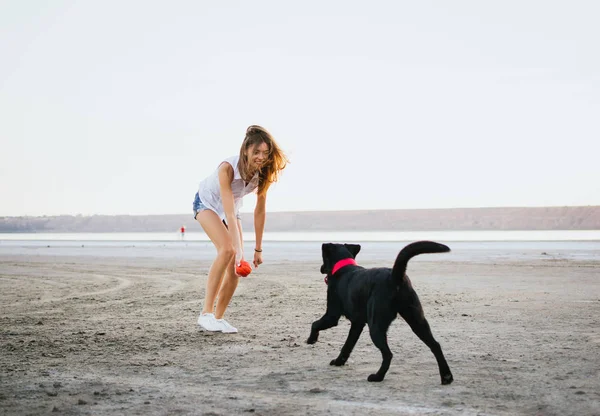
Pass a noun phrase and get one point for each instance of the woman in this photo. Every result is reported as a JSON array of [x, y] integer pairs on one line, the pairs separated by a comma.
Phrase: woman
[[216, 208]]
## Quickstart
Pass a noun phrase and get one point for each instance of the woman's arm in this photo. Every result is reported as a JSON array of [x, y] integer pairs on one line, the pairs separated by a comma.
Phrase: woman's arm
[[225, 179], [260, 212]]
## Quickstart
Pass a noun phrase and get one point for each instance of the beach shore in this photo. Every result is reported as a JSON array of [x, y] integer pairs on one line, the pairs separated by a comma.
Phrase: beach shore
[[117, 335]]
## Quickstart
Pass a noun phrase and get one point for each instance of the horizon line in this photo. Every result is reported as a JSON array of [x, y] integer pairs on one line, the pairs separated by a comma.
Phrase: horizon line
[[316, 211]]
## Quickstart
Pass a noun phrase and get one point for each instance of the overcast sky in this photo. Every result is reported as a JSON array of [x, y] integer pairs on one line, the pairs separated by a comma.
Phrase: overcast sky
[[122, 107]]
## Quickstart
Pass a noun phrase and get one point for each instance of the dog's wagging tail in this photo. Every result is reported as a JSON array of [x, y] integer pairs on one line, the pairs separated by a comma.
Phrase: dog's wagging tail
[[414, 249]]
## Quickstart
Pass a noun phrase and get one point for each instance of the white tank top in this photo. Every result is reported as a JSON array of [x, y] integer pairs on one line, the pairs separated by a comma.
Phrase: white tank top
[[209, 190]]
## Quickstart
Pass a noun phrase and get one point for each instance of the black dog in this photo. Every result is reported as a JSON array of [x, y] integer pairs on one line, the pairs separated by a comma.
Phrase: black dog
[[374, 297]]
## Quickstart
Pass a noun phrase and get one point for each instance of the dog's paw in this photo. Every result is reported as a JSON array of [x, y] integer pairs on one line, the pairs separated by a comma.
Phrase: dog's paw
[[375, 377], [311, 340], [447, 379], [337, 362]]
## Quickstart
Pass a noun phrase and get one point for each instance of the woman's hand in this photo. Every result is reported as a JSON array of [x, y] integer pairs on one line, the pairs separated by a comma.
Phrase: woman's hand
[[238, 258], [257, 258], [237, 263]]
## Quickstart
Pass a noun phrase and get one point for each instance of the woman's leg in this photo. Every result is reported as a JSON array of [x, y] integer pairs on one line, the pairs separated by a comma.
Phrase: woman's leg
[[229, 283], [228, 287], [218, 234]]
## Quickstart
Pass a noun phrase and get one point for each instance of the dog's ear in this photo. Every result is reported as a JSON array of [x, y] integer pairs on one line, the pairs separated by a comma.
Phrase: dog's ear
[[325, 251], [353, 249]]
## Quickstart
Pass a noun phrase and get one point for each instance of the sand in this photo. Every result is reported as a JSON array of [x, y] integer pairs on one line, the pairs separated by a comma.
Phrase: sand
[[118, 335]]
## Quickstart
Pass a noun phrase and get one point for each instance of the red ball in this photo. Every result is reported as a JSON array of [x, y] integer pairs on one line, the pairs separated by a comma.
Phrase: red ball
[[244, 269]]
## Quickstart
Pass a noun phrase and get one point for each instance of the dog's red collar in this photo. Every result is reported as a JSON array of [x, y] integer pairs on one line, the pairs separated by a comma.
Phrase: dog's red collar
[[342, 263]]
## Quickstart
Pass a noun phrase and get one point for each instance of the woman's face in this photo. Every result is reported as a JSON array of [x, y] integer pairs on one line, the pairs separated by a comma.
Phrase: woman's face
[[257, 155]]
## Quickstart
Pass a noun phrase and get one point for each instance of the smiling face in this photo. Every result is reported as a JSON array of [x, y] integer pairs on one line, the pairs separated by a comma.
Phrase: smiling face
[[257, 155], [260, 154]]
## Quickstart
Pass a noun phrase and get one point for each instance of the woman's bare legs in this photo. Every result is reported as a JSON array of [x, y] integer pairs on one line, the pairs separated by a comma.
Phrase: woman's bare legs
[[218, 234], [229, 283]]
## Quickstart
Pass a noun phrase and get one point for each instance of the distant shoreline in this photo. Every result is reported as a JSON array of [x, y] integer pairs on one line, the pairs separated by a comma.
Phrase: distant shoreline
[[435, 219]]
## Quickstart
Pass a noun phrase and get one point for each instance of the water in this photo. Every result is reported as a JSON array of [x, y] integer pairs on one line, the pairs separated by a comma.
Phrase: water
[[306, 246], [320, 236]]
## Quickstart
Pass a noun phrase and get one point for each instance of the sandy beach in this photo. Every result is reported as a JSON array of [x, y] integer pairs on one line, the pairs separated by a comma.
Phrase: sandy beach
[[100, 335]]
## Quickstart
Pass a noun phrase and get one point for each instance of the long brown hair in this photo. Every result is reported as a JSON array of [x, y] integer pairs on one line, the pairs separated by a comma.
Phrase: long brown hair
[[270, 170]]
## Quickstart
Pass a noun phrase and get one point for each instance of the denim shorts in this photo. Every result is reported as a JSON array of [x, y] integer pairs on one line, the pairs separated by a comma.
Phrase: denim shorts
[[198, 205]]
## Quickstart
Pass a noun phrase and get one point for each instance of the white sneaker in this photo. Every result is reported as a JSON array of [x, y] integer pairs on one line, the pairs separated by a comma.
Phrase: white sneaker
[[208, 322], [226, 326]]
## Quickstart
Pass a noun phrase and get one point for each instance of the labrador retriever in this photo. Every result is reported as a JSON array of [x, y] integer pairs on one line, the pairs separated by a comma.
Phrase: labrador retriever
[[374, 297]]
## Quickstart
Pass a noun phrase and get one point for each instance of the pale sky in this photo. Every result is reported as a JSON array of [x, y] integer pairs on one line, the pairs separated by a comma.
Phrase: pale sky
[[122, 107]]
